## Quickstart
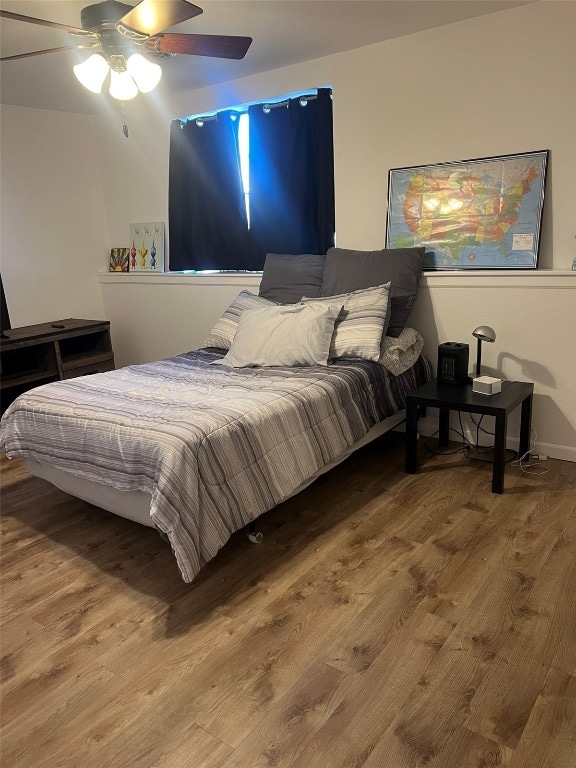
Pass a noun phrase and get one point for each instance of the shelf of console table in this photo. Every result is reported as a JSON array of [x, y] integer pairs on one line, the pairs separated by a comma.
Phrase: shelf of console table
[[38, 354]]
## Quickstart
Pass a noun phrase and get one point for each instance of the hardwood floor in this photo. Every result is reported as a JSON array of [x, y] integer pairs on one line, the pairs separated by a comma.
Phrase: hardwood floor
[[386, 621]]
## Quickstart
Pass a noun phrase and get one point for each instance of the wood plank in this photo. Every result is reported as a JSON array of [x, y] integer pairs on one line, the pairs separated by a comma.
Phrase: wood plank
[[293, 723], [128, 709], [425, 725], [549, 613], [44, 721], [479, 542], [549, 739], [161, 748], [463, 749], [486, 625], [504, 698], [369, 699]]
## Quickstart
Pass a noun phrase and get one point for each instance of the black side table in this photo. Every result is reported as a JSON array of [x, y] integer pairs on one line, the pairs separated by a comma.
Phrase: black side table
[[448, 397]]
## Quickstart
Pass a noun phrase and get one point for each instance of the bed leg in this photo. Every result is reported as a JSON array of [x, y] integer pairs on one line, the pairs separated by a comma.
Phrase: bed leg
[[253, 535]]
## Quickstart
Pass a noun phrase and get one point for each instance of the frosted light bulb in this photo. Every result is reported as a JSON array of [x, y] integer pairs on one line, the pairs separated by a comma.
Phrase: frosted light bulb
[[146, 74], [92, 72], [122, 86]]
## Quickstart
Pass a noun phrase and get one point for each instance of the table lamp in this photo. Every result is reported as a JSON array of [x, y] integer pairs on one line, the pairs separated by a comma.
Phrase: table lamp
[[482, 333]]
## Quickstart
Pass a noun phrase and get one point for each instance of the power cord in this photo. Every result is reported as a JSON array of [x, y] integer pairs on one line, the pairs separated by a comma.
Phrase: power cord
[[467, 447], [528, 469], [483, 449]]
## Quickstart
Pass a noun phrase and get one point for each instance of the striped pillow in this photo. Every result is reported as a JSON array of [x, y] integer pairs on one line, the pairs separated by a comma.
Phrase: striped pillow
[[362, 322], [222, 334]]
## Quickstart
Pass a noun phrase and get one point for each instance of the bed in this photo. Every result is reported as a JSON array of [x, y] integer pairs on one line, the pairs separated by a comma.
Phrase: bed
[[201, 444]]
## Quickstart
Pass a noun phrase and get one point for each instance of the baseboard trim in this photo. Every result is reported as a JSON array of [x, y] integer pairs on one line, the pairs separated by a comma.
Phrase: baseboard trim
[[563, 452]]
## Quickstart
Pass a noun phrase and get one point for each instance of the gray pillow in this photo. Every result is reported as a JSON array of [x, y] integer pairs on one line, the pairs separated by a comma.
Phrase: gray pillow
[[292, 335], [287, 277], [347, 270]]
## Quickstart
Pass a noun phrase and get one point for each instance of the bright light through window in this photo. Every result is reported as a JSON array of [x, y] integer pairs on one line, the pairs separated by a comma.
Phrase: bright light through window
[[244, 149], [241, 113]]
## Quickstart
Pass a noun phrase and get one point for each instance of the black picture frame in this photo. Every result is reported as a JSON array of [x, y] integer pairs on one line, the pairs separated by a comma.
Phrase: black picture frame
[[484, 213]]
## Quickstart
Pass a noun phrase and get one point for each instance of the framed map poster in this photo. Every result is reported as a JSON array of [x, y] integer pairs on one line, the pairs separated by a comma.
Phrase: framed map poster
[[147, 247], [471, 214]]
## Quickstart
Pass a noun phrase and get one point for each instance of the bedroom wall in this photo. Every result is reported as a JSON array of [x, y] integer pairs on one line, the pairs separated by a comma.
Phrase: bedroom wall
[[54, 229]]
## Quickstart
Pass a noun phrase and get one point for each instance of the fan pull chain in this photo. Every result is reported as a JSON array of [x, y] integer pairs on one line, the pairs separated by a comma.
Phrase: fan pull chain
[[124, 124]]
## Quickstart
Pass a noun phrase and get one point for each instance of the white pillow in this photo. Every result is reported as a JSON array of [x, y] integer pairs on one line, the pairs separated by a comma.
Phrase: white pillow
[[222, 334], [362, 323], [287, 335]]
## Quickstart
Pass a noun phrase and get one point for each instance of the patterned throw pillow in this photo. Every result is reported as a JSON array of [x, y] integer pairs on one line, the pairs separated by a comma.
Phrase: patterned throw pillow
[[223, 332], [361, 324]]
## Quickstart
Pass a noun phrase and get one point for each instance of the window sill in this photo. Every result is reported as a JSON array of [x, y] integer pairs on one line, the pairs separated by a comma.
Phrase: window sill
[[181, 278], [500, 278], [496, 278]]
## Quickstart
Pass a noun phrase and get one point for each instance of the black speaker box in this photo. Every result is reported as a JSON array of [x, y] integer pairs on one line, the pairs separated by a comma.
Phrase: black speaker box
[[453, 363]]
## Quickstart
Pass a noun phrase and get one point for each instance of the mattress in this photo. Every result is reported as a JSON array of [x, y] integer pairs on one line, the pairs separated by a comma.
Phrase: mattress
[[135, 505]]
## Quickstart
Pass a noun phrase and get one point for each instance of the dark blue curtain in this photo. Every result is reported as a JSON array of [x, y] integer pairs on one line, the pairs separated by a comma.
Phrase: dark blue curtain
[[207, 215], [291, 177], [291, 187]]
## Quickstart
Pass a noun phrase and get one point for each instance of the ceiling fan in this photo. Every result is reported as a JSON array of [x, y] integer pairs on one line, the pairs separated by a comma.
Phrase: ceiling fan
[[113, 30]]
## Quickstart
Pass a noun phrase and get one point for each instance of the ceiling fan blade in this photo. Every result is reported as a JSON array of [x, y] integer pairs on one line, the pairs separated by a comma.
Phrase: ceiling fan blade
[[46, 50], [44, 23], [153, 16], [219, 46]]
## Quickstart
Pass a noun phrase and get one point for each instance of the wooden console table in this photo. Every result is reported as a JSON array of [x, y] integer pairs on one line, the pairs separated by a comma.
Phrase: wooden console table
[[37, 354]]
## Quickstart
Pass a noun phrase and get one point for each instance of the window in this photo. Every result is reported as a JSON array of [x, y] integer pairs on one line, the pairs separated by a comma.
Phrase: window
[[243, 184], [244, 151]]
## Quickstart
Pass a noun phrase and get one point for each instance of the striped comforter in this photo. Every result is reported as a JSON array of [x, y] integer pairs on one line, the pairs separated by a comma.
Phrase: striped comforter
[[214, 446]]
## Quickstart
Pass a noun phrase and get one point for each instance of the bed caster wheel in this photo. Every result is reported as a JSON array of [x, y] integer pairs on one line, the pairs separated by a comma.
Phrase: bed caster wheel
[[255, 537]]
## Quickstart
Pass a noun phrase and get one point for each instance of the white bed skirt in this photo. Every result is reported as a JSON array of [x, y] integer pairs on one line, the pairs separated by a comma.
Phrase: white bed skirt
[[135, 505]]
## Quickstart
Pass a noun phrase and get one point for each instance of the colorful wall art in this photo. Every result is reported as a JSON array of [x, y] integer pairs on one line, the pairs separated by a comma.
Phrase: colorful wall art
[[147, 247], [119, 259]]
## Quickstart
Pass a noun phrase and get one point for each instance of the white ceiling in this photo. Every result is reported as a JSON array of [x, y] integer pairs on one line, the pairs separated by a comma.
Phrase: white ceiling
[[284, 32]]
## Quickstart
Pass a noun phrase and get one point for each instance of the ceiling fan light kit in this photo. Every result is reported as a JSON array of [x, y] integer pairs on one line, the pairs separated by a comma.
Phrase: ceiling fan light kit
[[127, 76], [113, 29]]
